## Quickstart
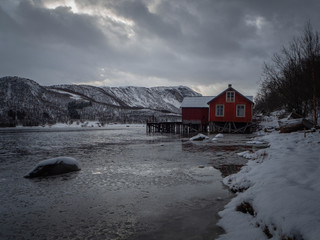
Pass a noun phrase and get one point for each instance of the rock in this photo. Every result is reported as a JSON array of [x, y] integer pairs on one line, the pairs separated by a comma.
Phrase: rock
[[199, 137], [219, 135], [54, 166]]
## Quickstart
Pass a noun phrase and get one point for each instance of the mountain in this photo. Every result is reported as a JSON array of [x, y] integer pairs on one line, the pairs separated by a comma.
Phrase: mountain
[[24, 101]]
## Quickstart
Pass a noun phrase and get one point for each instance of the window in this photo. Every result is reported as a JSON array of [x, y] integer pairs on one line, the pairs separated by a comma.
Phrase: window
[[241, 110], [230, 96], [219, 110]]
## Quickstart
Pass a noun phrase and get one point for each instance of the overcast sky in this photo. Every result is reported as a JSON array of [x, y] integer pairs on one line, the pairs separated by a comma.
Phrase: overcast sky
[[203, 44]]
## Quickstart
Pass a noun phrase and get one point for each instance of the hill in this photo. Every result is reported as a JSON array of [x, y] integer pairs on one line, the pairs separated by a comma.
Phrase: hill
[[24, 101]]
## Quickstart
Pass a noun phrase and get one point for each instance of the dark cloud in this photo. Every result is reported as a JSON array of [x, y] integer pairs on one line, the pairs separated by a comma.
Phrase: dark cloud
[[205, 44], [147, 23], [59, 25]]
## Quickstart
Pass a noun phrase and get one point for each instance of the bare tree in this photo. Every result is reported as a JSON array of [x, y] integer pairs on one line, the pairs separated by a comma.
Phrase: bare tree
[[292, 79], [311, 49]]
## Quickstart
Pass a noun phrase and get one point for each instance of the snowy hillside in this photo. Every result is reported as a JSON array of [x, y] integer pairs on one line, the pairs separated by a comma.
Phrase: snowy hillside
[[160, 98], [166, 99], [24, 101], [89, 93]]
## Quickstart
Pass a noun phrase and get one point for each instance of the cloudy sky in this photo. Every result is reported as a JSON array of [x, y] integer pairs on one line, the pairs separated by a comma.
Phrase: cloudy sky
[[203, 44]]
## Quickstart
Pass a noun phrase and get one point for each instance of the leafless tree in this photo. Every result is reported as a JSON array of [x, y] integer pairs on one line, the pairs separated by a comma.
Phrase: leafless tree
[[292, 79]]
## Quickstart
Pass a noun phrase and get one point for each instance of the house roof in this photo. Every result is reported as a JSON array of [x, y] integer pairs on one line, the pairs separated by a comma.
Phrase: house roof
[[250, 98], [196, 102]]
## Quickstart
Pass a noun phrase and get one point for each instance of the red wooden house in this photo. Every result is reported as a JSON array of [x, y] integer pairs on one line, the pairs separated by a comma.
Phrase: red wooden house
[[230, 111], [195, 110]]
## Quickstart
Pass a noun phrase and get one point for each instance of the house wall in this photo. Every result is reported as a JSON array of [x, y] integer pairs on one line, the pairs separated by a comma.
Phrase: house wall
[[230, 109], [195, 115]]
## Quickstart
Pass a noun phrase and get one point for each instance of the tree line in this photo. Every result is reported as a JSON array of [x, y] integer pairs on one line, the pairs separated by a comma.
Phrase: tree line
[[292, 79]]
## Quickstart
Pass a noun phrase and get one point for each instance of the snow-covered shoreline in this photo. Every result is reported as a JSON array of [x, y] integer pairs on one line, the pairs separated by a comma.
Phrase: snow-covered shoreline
[[281, 184]]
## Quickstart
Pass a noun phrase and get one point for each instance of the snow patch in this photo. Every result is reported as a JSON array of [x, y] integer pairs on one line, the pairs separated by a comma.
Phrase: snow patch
[[216, 138], [219, 135], [253, 155], [58, 160], [255, 142], [71, 95], [199, 137]]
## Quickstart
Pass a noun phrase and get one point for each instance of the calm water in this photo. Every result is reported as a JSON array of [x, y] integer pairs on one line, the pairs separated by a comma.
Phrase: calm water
[[131, 186]]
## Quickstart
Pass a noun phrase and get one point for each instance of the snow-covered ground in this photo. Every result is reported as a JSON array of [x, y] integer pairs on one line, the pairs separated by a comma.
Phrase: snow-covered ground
[[278, 191]]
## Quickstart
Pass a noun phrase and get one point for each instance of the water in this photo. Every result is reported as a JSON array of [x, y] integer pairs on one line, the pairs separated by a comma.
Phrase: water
[[131, 186]]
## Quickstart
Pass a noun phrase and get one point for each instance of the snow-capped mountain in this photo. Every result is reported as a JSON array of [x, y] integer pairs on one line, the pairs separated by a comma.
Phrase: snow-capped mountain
[[160, 98], [23, 101]]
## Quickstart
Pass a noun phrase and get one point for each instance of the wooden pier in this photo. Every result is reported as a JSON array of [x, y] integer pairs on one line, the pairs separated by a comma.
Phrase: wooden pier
[[183, 128], [175, 127], [232, 127]]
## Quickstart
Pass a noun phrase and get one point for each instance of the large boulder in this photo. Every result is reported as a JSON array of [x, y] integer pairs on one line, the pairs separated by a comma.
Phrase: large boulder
[[54, 166]]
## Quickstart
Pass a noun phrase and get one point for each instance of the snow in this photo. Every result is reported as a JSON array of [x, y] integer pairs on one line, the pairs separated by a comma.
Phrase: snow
[[72, 95], [57, 160], [168, 98], [271, 122], [252, 155], [199, 137], [290, 122], [219, 135], [255, 142], [282, 185], [216, 138], [196, 102]]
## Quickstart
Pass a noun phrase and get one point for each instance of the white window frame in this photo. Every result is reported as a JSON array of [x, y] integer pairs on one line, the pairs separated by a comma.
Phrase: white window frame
[[231, 97], [219, 105], [244, 110]]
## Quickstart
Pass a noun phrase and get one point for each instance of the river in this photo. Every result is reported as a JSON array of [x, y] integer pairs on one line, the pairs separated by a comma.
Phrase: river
[[131, 185]]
